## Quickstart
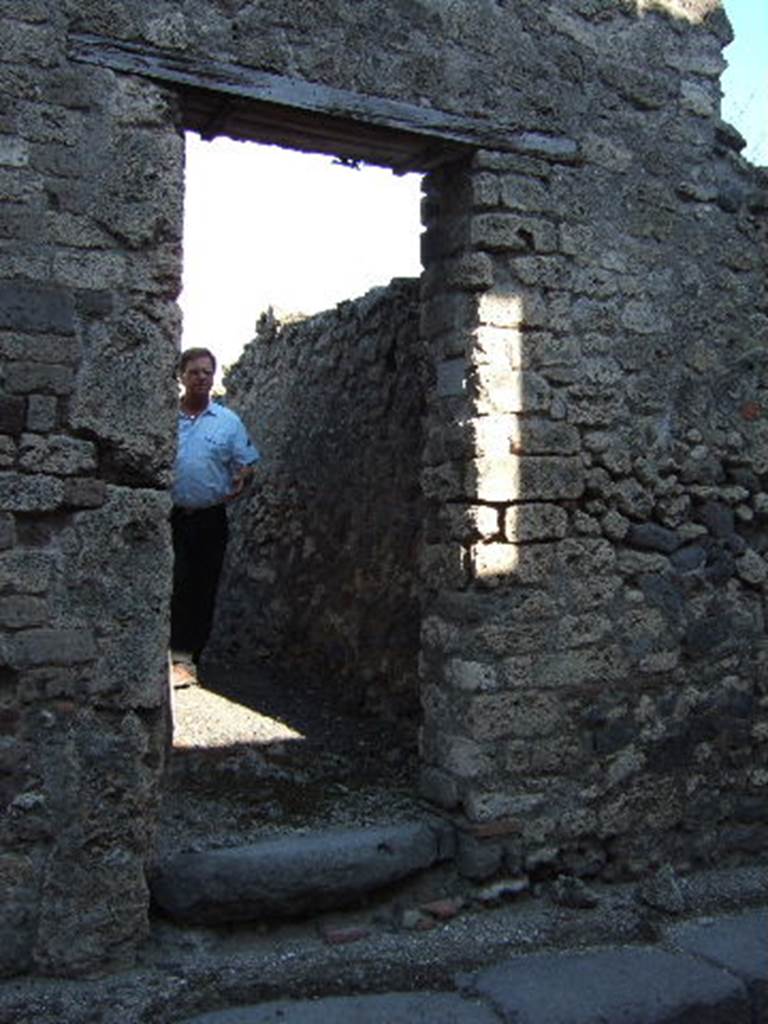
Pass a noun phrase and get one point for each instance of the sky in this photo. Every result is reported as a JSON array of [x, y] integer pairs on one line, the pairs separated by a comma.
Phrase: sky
[[266, 227]]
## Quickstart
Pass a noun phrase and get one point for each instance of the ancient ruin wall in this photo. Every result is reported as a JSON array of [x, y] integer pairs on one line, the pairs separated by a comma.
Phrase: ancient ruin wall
[[594, 654], [322, 578], [593, 638]]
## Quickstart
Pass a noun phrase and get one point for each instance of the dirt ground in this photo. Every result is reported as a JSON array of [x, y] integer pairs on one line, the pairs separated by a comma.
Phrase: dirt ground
[[255, 754]]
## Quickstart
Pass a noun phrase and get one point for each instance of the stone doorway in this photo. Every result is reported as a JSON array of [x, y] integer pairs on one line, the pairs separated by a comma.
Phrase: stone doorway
[[323, 755]]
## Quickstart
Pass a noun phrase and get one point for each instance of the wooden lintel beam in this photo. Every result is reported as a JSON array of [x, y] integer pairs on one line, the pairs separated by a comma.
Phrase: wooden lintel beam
[[415, 127]]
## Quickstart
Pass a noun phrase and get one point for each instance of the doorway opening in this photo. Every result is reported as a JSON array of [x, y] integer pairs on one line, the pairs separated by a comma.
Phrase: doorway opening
[[306, 710]]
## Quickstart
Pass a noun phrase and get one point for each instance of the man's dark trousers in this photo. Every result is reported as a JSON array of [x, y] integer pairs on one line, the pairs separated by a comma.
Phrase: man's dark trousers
[[199, 543]]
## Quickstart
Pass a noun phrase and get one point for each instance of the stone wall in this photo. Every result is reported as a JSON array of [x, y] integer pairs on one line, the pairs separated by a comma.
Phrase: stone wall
[[322, 573], [594, 466], [594, 653], [91, 189]]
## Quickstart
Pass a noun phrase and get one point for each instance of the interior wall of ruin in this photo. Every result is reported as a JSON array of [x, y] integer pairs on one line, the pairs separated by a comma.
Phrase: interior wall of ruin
[[322, 579], [594, 304]]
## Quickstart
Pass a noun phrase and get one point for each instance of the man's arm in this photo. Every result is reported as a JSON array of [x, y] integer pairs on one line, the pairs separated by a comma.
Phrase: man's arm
[[241, 478]]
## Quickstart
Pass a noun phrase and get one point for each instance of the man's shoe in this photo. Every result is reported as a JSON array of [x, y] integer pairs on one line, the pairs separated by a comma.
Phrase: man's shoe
[[182, 675]]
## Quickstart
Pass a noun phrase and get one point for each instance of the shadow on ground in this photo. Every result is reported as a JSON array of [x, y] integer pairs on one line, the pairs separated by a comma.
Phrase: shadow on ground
[[258, 754]]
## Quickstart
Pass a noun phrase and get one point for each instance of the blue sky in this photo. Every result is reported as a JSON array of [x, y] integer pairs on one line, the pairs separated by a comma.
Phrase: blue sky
[[745, 82]]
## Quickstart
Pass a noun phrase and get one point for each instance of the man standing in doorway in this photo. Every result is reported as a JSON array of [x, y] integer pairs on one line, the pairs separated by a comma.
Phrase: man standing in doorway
[[214, 461]]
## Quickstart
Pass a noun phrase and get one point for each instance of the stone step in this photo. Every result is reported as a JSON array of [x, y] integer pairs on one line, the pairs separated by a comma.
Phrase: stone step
[[291, 876]]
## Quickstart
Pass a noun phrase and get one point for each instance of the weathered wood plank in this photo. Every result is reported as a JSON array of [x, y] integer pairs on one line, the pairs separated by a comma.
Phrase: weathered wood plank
[[313, 133], [414, 126]]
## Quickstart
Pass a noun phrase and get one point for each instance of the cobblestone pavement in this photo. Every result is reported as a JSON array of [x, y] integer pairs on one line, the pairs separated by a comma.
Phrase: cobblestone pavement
[[710, 972]]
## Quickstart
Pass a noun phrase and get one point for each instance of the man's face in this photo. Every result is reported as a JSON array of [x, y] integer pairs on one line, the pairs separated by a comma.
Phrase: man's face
[[197, 377]]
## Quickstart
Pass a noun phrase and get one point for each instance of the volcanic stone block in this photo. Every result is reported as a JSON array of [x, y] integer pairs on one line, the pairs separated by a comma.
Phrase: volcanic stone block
[[11, 415], [36, 307], [641, 984], [21, 492], [389, 1008], [292, 876], [50, 647]]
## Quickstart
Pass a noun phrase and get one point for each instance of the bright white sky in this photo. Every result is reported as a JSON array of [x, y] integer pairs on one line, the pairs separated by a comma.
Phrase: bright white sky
[[265, 226]]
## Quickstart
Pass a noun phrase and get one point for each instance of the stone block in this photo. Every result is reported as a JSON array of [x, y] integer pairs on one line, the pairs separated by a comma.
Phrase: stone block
[[31, 647], [470, 522], [526, 478], [26, 378], [8, 451], [527, 194], [736, 944], [7, 531], [60, 455], [535, 522], [26, 492], [465, 758], [97, 270], [27, 347], [386, 1008], [444, 565], [506, 565], [12, 410], [652, 537], [38, 45], [18, 611], [36, 307], [502, 435], [138, 420], [84, 492], [471, 676], [576, 668], [42, 413], [643, 317], [633, 984], [472, 271], [608, 153], [140, 103], [509, 232], [516, 671], [751, 568], [439, 787], [519, 714], [500, 390], [583, 630], [20, 223], [18, 884], [486, 192], [26, 572], [699, 99], [443, 482], [291, 876], [488, 806], [542, 271], [14, 152], [476, 859]]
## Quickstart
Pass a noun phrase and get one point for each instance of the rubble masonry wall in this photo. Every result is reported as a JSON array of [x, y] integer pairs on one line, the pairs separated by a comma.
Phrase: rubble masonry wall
[[322, 578]]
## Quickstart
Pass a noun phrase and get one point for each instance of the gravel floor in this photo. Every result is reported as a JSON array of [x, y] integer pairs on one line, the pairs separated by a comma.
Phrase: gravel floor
[[254, 755]]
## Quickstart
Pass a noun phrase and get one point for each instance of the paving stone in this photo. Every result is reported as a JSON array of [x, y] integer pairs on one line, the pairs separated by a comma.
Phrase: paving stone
[[395, 1008], [639, 985], [739, 944]]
